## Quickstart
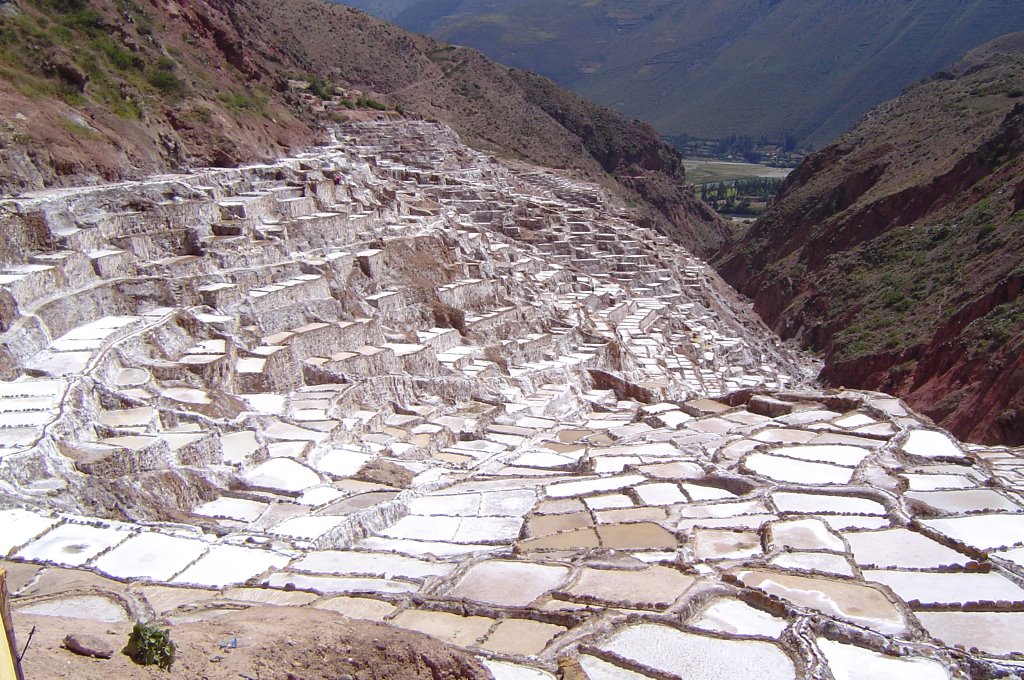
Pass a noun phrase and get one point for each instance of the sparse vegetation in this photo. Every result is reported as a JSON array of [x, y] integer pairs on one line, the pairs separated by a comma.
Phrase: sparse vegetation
[[80, 129], [150, 646], [368, 103], [251, 100], [319, 87]]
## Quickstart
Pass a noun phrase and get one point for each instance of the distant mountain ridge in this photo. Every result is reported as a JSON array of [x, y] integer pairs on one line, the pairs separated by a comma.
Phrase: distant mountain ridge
[[896, 250], [806, 68]]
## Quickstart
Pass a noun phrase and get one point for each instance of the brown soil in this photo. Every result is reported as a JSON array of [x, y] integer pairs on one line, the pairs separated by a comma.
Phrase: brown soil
[[274, 643]]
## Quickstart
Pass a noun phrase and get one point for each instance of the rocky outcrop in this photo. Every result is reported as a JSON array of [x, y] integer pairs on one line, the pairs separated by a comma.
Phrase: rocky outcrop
[[894, 250]]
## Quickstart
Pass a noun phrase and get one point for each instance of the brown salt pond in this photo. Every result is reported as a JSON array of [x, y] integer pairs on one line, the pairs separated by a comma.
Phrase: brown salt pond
[[655, 587], [855, 602]]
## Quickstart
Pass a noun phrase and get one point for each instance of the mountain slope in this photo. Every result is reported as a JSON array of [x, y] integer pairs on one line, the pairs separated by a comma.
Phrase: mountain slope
[[713, 69], [896, 250], [109, 89]]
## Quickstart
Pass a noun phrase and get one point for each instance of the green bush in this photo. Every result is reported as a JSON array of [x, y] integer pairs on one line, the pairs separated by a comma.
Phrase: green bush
[[117, 55], [318, 87], [150, 646], [371, 104], [251, 100], [165, 81]]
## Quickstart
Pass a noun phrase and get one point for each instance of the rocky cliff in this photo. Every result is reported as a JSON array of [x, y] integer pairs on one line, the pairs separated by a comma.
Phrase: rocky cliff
[[94, 90], [895, 250]]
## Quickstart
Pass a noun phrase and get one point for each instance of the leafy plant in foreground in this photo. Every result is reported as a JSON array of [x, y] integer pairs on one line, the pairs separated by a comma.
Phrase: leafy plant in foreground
[[150, 645]]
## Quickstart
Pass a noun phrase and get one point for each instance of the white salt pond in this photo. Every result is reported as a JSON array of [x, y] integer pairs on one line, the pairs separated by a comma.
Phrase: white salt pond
[[240, 509], [947, 588], [336, 584], [655, 587], [238, 446], [728, 615], [964, 500], [340, 462], [848, 662], [837, 454], [510, 584], [662, 493], [439, 549], [150, 556], [855, 602], [700, 492], [796, 471], [901, 549], [804, 534], [984, 532], [933, 482], [370, 564], [854, 420], [21, 526], [308, 527], [717, 544], [808, 503], [567, 489], [599, 669], [609, 502], [931, 444], [282, 474], [812, 561], [992, 632], [187, 395], [86, 607], [503, 670], [72, 545], [689, 655], [226, 565], [456, 529]]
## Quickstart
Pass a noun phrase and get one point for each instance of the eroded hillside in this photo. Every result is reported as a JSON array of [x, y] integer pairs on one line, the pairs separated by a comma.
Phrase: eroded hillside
[[896, 250]]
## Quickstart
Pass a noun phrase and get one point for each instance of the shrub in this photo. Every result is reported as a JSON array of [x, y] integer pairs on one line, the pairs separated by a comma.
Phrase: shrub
[[150, 646], [166, 82], [318, 87], [371, 104]]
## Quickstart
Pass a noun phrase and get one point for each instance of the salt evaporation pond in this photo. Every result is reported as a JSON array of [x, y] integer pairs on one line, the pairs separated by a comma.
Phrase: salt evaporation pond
[[947, 588], [688, 655], [848, 662], [855, 602], [784, 469], [901, 549], [992, 632], [812, 503], [728, 615], [984, 532]]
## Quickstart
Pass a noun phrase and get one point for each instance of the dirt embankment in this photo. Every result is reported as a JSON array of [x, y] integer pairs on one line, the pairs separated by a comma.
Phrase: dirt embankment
[[273, 643]]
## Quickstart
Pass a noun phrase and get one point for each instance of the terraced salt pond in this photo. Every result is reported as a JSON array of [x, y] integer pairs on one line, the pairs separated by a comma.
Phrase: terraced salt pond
[[608, 467]]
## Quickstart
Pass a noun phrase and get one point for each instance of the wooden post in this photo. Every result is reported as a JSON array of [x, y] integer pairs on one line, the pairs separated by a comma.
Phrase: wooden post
[[10, 669]]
